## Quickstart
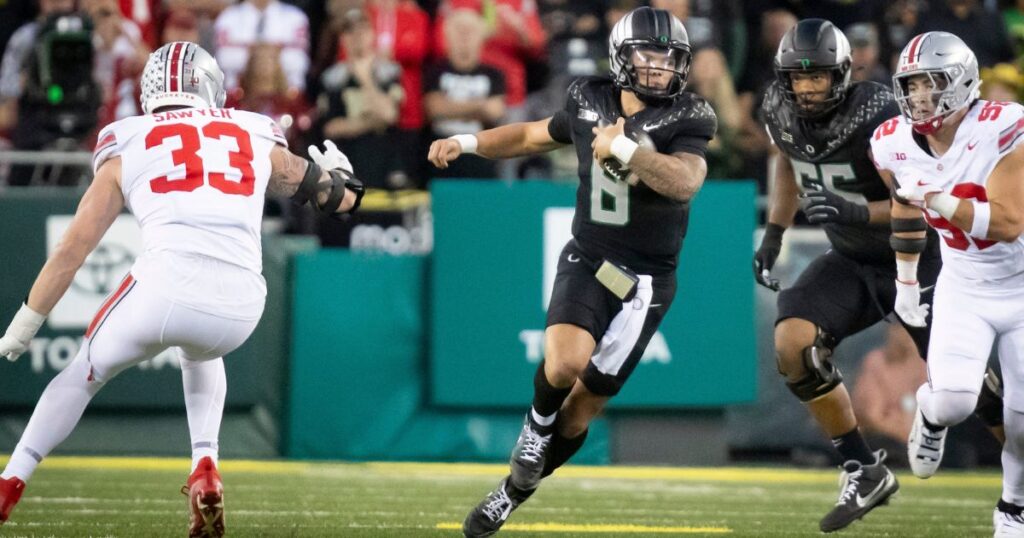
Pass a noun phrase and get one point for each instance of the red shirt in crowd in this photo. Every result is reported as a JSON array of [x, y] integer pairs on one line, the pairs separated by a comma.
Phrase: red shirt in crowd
[[506, 49]]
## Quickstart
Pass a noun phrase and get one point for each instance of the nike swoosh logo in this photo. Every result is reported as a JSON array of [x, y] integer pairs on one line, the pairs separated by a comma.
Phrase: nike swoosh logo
[[573, 258], [921, 183], [648, 127], [927, 288], [863, 501], [655, 305], [970, 146]]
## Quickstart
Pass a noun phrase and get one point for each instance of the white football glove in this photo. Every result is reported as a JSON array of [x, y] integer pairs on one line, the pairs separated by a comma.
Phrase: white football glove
[[914, 188], [331, 159], [23, 327], [908, 304]]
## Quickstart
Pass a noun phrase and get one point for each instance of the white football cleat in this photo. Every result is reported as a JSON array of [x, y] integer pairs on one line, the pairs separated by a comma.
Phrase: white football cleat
[[925, 447], [1007, 524]]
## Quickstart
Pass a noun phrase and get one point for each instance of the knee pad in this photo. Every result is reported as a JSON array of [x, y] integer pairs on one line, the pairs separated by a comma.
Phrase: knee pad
[[990, 400], [822, 375], [948, 408]]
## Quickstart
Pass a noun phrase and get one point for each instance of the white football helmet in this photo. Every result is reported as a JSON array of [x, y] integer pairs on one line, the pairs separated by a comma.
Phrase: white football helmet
[[953, 69], [181, 74]]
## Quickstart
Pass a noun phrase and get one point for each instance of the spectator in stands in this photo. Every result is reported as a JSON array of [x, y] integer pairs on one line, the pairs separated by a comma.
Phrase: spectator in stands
[[328, 50], [617, 10], [1002, 82], [752, 140], [263, 21], [900, 20], [864, 50], [206, 12], [709, 77], [15, 53], [264, 89], [884, 392], [146, 15], [463, 96], [982, 30], [516, 36], [119, 58], [402, 32], [359, 103], [180, 25]]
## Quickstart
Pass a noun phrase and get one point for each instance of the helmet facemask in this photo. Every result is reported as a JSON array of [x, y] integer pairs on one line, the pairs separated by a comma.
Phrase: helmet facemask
[[653, 71], [833, 96], [938, 87]]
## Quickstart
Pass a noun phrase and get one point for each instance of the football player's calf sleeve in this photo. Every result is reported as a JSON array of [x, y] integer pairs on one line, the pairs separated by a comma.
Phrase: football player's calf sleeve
[[561, 450], [55, 417], [547, 399], [1013, 458], [205, 386]]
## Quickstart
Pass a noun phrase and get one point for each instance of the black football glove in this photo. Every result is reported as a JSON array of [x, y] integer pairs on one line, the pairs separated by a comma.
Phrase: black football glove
[[822, 207], [764, 258]]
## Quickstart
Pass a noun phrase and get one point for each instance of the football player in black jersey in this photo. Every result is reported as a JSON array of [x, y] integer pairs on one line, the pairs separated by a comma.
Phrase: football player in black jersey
[[821, 126], [640, 139]]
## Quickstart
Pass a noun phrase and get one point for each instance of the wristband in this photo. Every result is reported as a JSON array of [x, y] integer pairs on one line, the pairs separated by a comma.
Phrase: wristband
[[906, 271], [468, 142], [982, 214], [623, 148]]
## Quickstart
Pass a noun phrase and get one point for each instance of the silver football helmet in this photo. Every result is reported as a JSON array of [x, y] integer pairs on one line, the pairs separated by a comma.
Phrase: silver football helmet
[[952, 68], [181, 74]]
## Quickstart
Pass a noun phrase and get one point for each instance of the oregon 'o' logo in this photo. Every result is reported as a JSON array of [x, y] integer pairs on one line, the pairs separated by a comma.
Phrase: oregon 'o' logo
[[104, 269]]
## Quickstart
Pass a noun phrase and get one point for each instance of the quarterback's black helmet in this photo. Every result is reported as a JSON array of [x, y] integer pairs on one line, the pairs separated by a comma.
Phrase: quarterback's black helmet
[[645, 45]]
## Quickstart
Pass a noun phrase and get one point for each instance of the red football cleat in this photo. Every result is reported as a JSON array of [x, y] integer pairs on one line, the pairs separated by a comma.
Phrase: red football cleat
[[10, 492], [205, 501]]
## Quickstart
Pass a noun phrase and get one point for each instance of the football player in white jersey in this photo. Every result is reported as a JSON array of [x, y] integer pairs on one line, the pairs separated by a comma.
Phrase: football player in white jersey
[[959, 159], [194, 175]]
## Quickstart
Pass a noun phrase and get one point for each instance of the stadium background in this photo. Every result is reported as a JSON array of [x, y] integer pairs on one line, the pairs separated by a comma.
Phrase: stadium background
[[426, 348]]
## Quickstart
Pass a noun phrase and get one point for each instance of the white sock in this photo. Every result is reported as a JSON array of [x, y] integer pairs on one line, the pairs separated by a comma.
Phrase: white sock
[[541, 420], [57, 413], [205, 388], [1013, 457]]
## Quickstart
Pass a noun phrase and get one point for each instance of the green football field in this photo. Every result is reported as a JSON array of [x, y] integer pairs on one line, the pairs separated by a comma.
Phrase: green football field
[[102, 497]]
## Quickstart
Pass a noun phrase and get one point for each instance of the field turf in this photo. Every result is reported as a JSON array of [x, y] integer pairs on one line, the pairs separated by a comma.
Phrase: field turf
[[139, 497]]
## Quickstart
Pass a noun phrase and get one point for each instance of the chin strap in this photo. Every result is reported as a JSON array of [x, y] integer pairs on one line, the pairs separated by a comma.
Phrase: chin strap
[[928, 127]]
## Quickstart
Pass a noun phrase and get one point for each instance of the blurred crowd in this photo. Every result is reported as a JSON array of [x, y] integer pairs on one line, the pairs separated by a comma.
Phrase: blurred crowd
[[383, 78]]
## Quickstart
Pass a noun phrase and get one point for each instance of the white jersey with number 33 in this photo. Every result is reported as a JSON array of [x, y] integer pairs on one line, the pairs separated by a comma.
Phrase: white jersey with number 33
[[195, 179], [988, 132]]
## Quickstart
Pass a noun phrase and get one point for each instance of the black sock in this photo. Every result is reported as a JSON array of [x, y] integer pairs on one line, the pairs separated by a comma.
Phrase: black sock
[[561, 450], [852, 446], [933, 427], [1009, 508], [547, 400]]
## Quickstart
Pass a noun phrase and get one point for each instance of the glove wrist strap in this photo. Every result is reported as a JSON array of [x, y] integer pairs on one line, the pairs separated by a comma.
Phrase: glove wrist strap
[[26, 324], [944, 204], [906, 271]]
